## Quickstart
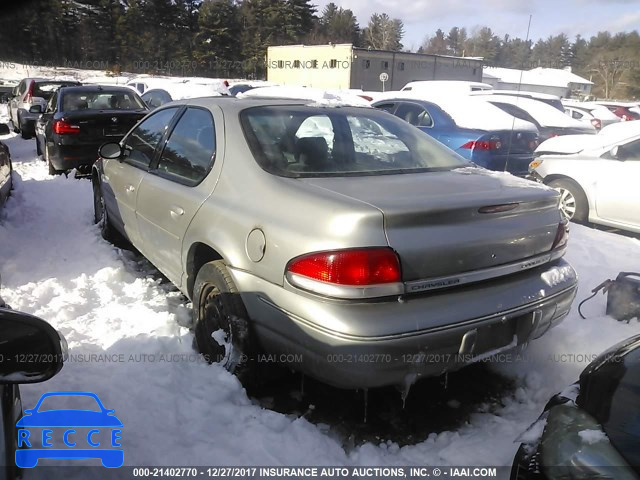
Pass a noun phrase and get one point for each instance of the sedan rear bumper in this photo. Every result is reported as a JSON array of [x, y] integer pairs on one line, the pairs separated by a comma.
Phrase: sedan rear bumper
[[370, 344], [67, 157]]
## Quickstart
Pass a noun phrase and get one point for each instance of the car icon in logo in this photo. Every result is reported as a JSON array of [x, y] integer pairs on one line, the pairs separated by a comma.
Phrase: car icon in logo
[[69, 433]]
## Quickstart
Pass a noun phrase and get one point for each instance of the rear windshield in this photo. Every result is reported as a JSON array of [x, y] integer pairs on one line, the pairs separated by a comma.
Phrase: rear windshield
[[101, 100], [47, 89], [303, 141]]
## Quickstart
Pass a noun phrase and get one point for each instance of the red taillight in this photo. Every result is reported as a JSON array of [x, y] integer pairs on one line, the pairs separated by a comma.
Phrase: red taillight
[[596, 123], [493, 144], [353, 267], [29, 94], [64, 128], [562, 235]]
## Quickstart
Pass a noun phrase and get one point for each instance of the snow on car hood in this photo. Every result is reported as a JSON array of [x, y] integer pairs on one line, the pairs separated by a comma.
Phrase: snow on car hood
[[607, 138], [317, 95], [466, 111]]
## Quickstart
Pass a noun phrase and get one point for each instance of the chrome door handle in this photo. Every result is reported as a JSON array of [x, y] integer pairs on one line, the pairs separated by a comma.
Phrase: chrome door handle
[[176, 211], [130, 188]]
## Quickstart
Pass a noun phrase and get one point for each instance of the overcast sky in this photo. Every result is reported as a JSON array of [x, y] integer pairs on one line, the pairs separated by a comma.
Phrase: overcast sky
[[550, 17]]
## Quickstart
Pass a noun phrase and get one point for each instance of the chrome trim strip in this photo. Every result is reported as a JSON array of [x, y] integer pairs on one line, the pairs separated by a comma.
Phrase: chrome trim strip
[[345, 291], [424, 285]]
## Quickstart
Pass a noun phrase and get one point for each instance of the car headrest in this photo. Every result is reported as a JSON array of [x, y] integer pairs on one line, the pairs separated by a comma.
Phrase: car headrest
[[313, 152]]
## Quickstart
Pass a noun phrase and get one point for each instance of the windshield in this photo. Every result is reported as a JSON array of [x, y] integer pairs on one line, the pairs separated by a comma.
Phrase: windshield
[[302, 141], [101, 100]]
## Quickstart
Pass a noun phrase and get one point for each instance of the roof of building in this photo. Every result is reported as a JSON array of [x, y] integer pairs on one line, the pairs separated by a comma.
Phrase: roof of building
[[552, 77]]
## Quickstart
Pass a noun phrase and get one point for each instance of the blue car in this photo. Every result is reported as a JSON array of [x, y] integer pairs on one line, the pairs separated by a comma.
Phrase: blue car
[[478, 132], [53, 434]]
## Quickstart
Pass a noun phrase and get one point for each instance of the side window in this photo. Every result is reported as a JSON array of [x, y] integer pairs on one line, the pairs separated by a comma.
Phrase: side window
[[141, 144], [412, 113], [577, 115], [629, 151], [52, 104], [188, 154], [387, 107]]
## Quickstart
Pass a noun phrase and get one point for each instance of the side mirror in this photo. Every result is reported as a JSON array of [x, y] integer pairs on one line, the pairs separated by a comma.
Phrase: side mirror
[[36, 109], [110, 151], [4, 129], [32, 350]]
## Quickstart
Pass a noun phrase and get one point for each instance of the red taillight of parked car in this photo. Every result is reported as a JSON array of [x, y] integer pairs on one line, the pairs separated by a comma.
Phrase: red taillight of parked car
[[596, 123], [493, 144], [65, 128], [29, 95], [352, 267]]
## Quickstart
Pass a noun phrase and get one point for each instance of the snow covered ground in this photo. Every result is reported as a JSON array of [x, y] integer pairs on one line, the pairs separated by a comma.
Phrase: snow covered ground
[[178, 410]]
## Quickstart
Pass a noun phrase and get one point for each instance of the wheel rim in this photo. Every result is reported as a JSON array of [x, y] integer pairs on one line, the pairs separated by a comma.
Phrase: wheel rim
[[213, 319], [568, 203]]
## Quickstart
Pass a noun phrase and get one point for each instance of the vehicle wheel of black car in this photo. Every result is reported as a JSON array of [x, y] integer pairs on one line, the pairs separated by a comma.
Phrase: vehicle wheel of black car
[[223, 332], [100, 216], [24, 131], [573, 202]]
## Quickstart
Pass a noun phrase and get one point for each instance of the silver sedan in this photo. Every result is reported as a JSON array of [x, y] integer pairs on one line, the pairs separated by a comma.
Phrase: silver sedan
[[339, 241]]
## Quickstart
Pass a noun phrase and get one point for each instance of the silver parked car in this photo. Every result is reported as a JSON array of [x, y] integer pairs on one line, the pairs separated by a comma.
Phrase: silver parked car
[[339, 240]]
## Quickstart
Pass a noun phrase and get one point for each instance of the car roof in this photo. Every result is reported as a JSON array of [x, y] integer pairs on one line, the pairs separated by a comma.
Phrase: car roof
[[232, 104], [96, 88]]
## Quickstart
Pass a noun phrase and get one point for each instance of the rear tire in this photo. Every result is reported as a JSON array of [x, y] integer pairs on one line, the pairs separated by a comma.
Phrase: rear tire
[[24, 131], [100, 215], [573, 201], [218, 309]]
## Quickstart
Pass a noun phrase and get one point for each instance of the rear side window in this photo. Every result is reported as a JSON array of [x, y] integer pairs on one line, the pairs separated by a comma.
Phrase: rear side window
[[414, 114], [188, 153], [141, 144]]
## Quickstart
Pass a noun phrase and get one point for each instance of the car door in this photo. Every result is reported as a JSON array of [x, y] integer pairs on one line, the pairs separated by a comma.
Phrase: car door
[[121, 177], [173, 191], [617, 188]]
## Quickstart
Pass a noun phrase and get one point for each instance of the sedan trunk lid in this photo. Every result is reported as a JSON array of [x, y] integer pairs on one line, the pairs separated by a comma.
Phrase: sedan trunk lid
[[451, 222]]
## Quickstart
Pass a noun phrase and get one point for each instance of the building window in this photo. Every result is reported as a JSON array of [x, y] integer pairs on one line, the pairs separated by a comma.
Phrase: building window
[[475, 70], [366, 63], [385, 65], [296, 64], [333, 63], [401, 66]]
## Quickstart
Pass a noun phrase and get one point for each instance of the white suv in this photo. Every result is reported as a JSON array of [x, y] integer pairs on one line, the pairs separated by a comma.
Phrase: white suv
[[29, 100]]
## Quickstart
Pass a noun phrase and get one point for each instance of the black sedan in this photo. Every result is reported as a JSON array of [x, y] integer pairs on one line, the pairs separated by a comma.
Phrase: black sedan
[[23, 338], [592, 430], [78, 120]]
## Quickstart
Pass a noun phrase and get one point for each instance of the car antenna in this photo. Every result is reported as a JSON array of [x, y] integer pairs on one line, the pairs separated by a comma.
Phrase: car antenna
[[513, 122]]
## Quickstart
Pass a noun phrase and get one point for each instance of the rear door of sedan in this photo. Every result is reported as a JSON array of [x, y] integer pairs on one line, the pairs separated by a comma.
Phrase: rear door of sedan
[[176, 186]]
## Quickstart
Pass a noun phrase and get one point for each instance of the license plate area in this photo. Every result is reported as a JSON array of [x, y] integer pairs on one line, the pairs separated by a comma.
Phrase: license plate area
[[114, 131]]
